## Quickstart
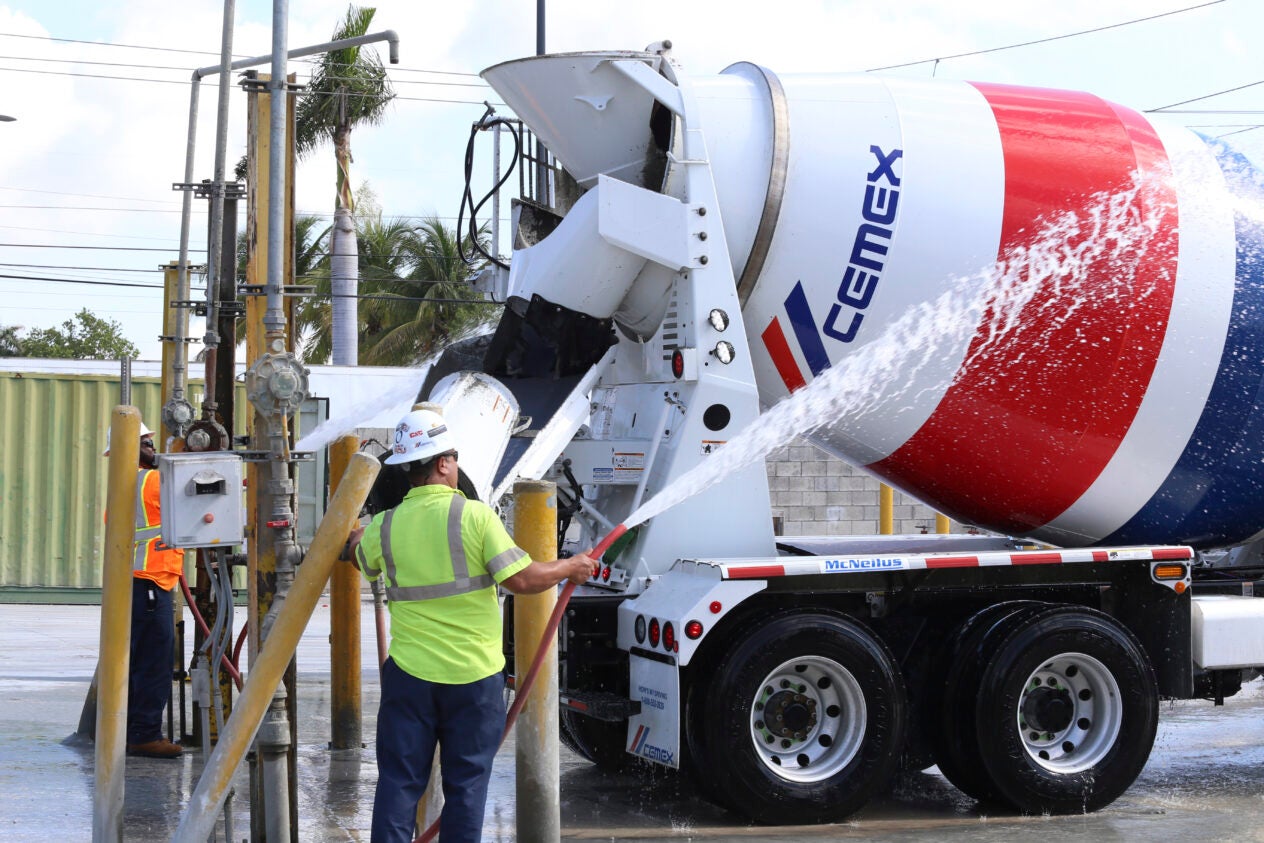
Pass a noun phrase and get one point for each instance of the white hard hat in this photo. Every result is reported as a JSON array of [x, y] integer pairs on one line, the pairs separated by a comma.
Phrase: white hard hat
[[421, 435], [144, 431]]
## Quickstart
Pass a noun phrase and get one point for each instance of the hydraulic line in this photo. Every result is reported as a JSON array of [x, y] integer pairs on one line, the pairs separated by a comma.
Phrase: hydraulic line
[[206, 631], [546, 642]]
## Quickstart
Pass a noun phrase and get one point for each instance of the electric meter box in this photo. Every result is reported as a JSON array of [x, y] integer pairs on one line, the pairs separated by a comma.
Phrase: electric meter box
[[201, 498]]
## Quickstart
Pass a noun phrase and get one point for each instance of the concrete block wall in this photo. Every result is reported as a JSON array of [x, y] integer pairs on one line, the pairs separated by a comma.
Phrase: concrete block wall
[[814, 493]]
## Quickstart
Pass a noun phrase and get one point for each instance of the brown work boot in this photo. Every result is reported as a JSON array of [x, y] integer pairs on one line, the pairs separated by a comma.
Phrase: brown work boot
[[160, 748]]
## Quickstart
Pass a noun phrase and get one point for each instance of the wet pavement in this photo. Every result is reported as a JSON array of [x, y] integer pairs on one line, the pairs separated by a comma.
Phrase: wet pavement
[[1204, 781]]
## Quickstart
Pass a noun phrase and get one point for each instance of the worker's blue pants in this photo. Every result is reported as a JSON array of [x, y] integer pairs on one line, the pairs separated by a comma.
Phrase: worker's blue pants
[[149, 673], [466, 721]]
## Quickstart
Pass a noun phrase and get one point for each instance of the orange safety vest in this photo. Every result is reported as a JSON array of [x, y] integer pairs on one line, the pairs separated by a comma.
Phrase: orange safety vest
[[151, 559]]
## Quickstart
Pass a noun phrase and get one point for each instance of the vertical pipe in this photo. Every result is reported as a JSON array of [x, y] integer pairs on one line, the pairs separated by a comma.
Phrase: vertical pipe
[[274, 321], [942, 524], [495, 195], [215, 245], [344, 633], [170, 286], [886, 510], [116, 615], [180, 352], [537, 756], [257, 694]]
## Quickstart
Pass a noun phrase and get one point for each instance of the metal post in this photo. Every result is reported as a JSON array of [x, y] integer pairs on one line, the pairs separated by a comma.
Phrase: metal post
[[257, 694], [886, 510], [942, 524], [344, 632], [537, 756], [116, 626]]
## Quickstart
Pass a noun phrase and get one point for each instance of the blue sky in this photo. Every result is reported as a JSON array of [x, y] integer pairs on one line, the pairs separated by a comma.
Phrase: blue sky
[[90, 161]]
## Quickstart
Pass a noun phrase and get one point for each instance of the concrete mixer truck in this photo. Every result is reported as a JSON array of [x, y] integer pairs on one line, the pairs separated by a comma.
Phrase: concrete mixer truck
[[1034, 310]]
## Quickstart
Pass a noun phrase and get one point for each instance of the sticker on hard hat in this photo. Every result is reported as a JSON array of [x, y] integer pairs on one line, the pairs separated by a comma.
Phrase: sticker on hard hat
[[399, 432], [435, 431]]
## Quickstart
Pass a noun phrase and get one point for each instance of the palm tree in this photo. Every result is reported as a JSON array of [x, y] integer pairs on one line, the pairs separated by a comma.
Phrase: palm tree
[[311, 267], [423, 311], [348, 88]]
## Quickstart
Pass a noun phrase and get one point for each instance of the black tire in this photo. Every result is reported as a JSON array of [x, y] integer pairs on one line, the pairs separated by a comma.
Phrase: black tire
[[598, 741], [1067, 711], [953, 696], [842, 706]]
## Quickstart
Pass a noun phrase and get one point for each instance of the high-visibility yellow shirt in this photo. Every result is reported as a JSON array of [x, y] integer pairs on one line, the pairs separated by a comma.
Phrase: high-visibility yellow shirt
[[441, 557]]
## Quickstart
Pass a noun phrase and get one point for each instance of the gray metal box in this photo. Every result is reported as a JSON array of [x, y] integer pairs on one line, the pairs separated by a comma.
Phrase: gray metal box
[[201, 497]]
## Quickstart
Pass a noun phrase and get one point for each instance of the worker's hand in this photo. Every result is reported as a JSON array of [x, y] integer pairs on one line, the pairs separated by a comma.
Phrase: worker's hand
[[581, 567], [353, 539]]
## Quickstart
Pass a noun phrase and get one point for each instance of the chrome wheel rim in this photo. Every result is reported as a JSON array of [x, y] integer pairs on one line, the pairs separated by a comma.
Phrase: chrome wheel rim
[[807, 721], [1069, 713]]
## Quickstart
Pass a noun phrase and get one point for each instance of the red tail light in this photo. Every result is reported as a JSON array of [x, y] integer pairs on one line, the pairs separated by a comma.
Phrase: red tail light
[[669, 637], [654, 632], [693, 630]]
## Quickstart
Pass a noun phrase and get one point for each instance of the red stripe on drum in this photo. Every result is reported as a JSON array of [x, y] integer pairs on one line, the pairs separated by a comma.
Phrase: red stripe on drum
[[1034, 415]]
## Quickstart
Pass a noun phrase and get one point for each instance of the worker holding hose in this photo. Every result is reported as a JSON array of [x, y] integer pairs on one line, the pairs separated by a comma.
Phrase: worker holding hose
[[442, 557], [156, 569]]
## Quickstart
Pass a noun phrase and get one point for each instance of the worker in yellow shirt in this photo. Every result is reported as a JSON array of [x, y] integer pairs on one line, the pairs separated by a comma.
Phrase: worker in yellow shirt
[[442, 557]]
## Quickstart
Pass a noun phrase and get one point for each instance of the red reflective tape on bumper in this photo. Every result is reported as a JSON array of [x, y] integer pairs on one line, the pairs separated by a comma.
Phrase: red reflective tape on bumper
[[1035, 559], [1164, 553], [1101, 556], [755, 572], [954, 562]]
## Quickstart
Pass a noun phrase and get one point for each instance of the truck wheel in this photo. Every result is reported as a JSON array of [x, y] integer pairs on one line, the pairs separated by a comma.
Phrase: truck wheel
[[597, 741], [1067, 711], [803, 721], [952, 697]]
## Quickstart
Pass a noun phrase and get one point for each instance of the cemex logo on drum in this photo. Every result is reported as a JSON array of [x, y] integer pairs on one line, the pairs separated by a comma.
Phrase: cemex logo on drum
[[861, 277]]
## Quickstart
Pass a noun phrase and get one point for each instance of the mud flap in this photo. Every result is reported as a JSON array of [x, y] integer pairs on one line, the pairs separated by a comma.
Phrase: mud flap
[[654, 733]]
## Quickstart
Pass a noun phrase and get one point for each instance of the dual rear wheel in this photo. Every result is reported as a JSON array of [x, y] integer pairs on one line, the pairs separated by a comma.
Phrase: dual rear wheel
[[1051, 709]]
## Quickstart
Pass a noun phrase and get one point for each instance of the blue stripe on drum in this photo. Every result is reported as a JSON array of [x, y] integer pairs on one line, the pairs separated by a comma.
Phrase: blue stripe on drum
[[1214, 496]]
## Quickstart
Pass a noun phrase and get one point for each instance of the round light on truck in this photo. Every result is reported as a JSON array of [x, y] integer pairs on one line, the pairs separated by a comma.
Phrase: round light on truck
[[638, 629], [693, 630], [718, 319], [678, 363], [724, 352], [654, 631], [669, 637]]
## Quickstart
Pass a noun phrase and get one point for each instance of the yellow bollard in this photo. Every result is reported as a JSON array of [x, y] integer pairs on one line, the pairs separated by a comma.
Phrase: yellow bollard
[[207, 800], [537, 757], [886, 510], [344, 628], [942, 524], [116, 625]]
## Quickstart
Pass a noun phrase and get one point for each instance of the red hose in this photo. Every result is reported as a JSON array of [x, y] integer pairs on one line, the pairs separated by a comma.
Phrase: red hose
[[546, 643], [206, 630], [241, 639]]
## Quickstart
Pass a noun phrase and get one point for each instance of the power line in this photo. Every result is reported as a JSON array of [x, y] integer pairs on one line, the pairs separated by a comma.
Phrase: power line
[[1206, 96], [89, 208], [216, 82], [101, 248], [79, 268], [134, 66], [90, 195], [204, 52], [86, 234], [1051, 38]]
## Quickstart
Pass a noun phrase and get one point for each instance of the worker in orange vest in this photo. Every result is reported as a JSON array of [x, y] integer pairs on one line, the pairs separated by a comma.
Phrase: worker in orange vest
[[156, 569]]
